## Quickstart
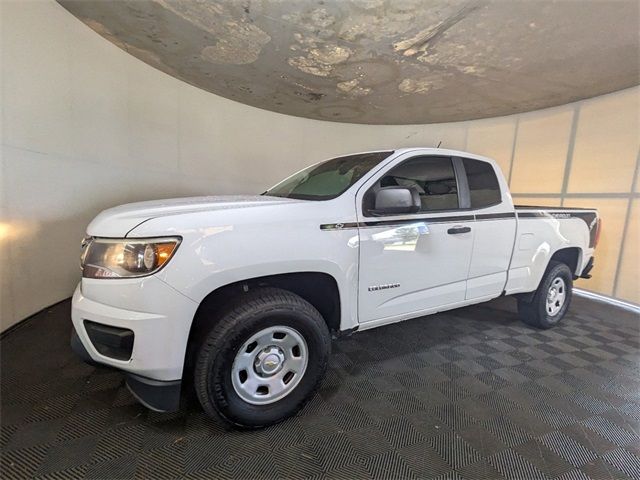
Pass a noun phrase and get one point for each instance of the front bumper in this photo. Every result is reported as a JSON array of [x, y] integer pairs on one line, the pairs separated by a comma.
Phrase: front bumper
[[160, 396], [159, 318]]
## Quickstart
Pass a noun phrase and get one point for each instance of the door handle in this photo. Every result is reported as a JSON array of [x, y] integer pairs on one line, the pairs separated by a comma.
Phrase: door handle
[[457, 230]]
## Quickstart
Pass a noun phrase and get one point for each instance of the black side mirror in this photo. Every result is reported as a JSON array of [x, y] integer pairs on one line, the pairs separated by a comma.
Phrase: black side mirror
[[396, 200]]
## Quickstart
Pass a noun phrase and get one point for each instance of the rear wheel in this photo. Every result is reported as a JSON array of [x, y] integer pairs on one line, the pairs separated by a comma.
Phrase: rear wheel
[[263, 359], [552, 299]]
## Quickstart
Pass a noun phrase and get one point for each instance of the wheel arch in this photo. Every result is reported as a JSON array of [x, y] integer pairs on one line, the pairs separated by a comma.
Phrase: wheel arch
[[320, 289], [570, 256]]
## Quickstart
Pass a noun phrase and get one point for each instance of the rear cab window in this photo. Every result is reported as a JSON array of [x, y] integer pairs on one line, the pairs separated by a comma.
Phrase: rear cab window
[[484, 188]]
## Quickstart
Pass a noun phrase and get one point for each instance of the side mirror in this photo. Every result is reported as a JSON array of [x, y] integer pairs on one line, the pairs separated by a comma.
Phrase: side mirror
[[396, 200]]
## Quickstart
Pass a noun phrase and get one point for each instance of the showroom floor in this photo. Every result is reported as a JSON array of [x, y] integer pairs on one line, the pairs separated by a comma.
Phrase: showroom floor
[[471, 393]]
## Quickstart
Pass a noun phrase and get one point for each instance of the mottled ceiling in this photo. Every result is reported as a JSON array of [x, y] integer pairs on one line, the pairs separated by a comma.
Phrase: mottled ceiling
[[382, 61]]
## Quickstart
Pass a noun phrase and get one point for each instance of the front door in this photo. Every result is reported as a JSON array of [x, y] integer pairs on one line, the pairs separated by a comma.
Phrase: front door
[[413, 264]]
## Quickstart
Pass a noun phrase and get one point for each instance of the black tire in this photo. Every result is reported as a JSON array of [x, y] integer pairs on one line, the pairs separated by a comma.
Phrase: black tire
[[535, 312], [250, 313]]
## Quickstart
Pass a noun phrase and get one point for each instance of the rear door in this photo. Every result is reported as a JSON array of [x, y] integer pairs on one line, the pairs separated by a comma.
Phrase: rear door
[[494, 229], [414, 263]]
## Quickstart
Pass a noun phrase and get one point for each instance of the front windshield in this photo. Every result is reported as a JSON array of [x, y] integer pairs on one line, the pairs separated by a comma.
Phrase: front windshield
[[329, 179]]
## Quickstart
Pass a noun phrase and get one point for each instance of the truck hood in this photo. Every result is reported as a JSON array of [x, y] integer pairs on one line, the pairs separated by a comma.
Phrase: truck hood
[[119, 221]]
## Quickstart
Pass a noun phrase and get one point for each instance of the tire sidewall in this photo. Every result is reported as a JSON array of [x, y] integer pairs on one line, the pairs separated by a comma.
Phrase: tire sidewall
[[557, 271], [220, 388]]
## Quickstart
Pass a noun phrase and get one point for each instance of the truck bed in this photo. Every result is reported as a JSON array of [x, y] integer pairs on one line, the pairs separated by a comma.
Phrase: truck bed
[[587, 215]]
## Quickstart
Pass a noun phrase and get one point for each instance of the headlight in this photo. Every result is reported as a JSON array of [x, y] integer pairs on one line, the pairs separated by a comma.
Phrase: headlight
[[126, 258]]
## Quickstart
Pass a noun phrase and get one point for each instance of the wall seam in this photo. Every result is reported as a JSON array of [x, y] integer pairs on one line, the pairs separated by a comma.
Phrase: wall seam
[[570, 148], [627, 220], [66, 158], [513, 149], [466, 137], [179, 132]]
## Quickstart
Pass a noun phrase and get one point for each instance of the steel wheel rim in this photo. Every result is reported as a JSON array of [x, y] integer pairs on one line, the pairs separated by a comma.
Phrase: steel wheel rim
[[269, 365], [556, 296]]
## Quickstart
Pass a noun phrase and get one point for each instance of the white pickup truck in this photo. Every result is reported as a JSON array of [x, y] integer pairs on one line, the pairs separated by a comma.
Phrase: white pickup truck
[[240, 295]]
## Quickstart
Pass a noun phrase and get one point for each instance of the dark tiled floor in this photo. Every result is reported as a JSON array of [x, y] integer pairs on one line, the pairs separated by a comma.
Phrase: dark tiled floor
[[472, 393]]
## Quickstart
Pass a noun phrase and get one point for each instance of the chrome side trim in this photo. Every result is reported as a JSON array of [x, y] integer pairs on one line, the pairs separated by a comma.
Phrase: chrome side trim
[[338, 226], [430, 220]]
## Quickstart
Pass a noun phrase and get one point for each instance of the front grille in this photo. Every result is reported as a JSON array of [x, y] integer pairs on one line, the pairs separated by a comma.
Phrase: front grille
[[112, 342]]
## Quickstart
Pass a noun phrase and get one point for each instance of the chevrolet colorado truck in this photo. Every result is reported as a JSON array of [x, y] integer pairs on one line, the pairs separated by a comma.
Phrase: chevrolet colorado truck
[[239, 296]]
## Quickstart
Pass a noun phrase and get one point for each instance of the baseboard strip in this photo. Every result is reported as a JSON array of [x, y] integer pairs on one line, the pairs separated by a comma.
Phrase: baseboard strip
[[608, 300]]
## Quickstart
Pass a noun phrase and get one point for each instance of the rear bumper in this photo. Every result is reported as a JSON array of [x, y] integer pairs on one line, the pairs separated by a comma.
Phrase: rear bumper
[[587, 269]]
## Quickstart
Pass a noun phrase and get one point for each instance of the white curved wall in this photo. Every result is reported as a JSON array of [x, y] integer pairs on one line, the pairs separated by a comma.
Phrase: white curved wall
[[87, 126]]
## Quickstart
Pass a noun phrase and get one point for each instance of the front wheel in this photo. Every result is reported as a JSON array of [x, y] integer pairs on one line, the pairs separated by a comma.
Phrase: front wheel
[[551, 300], [263, 360]]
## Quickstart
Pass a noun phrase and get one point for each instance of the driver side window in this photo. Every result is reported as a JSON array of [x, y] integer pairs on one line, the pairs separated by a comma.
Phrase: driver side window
[[432, 177]]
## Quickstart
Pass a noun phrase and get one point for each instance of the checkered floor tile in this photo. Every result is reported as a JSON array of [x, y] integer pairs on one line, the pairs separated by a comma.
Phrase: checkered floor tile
[[472, 393]]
